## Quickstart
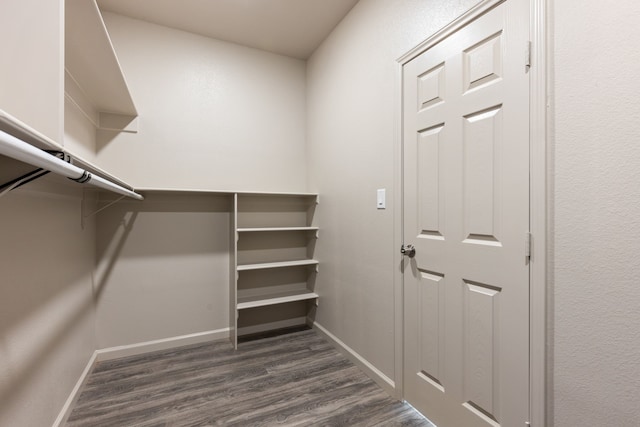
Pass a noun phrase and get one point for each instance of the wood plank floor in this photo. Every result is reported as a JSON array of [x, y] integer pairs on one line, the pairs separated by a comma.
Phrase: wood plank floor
[[296, 379]]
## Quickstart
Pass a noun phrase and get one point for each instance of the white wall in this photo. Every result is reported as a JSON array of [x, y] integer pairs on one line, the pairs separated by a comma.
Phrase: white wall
[[46, 300], [163, 268], [596, 196], [46, 255], [597, 213], [351, 112], [79, 133], [212, 114], [31, 64]]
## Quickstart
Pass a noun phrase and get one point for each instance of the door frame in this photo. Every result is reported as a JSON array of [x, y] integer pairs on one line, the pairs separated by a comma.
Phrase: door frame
[[540, 202]]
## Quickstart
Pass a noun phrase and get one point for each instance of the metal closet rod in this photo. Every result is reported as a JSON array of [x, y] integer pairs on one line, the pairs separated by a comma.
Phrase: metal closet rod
[[13, 147]]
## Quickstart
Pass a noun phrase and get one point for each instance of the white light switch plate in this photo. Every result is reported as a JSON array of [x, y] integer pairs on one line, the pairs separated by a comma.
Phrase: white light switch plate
[[382, 199]]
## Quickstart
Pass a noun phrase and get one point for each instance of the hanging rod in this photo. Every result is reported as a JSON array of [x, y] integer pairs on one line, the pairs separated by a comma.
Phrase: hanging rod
[[11, 146]]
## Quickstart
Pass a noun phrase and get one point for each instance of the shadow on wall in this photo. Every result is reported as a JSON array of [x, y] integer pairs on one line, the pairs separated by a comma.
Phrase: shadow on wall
[[32, 364], [162, 267], [169, 224], [113, 254], [105, 137], [56, 266], [46, 306], [45, 249]]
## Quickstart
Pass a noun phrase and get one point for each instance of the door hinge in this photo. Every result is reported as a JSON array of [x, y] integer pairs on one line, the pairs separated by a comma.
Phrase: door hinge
[[527, 56], [527, 245]]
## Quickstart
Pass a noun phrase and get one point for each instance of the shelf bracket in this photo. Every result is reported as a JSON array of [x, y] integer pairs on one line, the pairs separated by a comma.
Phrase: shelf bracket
[[113, 202]]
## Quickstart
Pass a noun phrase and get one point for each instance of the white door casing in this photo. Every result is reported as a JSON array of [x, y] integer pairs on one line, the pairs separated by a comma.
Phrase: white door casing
[[466, 210]]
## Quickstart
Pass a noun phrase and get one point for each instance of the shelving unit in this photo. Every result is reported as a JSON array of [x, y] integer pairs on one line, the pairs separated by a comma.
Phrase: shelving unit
[[272, 261]]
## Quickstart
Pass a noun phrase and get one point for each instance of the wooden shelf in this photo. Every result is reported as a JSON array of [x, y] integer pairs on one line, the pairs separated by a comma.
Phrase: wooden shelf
[[266, 265], [259, 229], [282, 298]]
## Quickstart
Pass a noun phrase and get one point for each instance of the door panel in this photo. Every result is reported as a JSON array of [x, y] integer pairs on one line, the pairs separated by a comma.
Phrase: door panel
[[430, 186], [466, 210]]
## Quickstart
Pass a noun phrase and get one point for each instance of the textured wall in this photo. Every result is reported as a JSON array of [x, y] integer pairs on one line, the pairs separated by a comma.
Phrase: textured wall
[[32, 63], [351, 113], [213, 115], [79, 133], [46, 255], [46, 300], [597, 214], [163, 268]]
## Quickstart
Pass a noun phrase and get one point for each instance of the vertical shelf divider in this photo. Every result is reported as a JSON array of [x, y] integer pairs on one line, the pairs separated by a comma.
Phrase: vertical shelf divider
[[233, 275]]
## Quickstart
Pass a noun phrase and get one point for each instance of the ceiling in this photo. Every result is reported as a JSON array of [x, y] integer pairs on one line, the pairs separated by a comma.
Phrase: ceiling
[[293, 28]]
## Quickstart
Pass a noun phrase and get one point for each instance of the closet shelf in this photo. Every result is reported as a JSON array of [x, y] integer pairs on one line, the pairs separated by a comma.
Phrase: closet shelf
[[91, 64], [222, 192], [24, 132], [270, 227], [259, 229], [266, 265], [273, 299]]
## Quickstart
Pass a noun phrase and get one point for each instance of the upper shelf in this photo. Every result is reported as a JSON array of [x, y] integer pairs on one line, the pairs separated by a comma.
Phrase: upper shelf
[[91, 62], [21, 130]]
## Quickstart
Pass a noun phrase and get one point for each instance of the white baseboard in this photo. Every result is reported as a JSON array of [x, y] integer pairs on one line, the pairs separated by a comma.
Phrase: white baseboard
[[133, 350], [75, 393], [281, 324], [162, 344], [371, 371]]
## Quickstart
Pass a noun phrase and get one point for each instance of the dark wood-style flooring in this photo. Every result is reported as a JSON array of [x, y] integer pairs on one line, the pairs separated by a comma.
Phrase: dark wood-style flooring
[[295, 379]]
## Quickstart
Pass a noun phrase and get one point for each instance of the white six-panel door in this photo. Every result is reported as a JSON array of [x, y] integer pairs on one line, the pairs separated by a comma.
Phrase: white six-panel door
[[466, 210]]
